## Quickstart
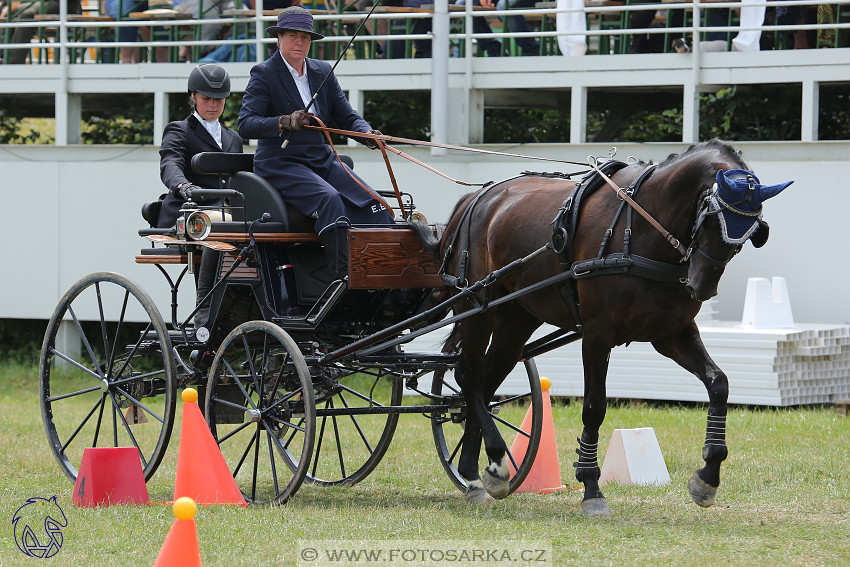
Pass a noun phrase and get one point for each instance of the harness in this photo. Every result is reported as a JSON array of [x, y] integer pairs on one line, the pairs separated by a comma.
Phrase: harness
[[564, 227], [464, 222]]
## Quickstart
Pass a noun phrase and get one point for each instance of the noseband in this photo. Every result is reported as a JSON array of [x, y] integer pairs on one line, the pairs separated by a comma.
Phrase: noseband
[[710, 204]]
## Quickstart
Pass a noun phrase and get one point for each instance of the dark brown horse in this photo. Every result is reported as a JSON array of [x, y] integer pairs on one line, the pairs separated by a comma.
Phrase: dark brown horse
[[640, 288]]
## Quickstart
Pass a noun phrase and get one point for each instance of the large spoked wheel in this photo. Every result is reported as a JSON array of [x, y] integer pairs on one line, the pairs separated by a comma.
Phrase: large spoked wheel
[[107, 373], [261, 410], [354, 428], [508, 414]]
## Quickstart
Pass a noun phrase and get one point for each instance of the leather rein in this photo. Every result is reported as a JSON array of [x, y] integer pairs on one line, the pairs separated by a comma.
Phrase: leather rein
[[383, 140]]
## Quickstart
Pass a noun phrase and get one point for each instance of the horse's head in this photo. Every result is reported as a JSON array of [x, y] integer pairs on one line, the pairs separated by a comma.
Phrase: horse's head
[[728, 214]]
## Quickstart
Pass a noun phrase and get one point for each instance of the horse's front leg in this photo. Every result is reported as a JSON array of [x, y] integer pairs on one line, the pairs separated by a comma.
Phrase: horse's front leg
[[595, 356], [688, 351]]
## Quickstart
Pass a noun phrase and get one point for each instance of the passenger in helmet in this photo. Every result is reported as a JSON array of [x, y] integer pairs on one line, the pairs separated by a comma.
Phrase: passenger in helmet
[[201, 131]]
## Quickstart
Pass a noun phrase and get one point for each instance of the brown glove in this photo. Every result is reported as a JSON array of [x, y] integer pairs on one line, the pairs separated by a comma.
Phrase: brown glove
[[370, 143], [295, 121]]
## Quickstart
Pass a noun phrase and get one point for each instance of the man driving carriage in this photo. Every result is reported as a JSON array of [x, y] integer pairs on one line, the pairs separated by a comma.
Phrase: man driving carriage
[[306, 171]]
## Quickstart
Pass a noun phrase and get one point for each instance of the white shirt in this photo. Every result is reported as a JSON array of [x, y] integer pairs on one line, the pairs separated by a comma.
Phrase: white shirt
[[303, 85], [213, 127]]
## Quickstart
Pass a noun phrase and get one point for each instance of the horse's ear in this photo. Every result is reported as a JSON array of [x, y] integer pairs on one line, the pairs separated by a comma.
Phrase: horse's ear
[[759, 237], [766, 192]]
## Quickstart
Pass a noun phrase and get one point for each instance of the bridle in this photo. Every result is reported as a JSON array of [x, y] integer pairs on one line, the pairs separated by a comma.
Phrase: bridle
[[705, 211]]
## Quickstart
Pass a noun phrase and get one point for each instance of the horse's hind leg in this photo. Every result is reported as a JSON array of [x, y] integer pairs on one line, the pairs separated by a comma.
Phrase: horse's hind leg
[[688, 351], [479, 379], [475, 334], [595, 356]]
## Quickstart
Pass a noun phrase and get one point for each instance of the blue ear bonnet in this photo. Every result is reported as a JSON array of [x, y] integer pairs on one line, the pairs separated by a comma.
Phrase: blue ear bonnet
[[738, 202], [733, 187]]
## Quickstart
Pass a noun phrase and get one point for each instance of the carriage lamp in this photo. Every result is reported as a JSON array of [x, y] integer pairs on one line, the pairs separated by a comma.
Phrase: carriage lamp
[[416, 216], [197, 226]]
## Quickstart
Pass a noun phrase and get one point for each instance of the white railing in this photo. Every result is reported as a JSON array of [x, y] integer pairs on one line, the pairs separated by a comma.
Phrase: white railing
[[66, 27]]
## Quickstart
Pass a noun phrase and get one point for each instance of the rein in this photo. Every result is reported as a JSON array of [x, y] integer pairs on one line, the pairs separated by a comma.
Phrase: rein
[[353, 177], [383, 139], [626, 196]]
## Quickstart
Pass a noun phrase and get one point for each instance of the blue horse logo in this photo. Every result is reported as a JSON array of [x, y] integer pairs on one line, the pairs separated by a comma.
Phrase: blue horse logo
[[38, 527]]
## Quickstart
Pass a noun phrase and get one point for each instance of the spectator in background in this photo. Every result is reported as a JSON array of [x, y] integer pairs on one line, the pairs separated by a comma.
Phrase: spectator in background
[[422, 47], [386, 49], [28, 11], [516, 24], [641, 19], [201, 9], [119, 10], [243, 52]]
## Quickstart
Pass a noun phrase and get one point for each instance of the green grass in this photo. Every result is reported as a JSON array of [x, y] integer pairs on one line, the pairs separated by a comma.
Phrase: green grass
[[784, 498]]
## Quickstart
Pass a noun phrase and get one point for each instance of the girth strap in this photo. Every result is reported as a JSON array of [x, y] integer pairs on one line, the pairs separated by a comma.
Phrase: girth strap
[[640, 266]]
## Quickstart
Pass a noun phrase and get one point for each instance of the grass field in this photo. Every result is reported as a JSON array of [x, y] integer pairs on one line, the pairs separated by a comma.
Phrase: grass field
[[784, 499]]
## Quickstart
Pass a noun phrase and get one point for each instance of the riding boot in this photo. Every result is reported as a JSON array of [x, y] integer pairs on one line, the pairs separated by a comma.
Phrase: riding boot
[[206, 280], [335, 243]]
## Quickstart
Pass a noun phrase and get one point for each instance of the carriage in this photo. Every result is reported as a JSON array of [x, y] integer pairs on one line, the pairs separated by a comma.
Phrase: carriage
[[302, 375]]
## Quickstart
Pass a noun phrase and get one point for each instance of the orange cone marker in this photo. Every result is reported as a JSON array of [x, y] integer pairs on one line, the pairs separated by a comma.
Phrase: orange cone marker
[[202, 473], [545, 474], [181, 544]]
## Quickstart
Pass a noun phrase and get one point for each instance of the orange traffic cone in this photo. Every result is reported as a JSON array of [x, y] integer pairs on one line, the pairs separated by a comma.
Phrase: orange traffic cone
[[181, 544], [202, 473], [545, 474]]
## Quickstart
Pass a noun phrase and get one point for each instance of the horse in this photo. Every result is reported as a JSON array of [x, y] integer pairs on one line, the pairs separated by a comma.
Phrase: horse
[[622, 289]]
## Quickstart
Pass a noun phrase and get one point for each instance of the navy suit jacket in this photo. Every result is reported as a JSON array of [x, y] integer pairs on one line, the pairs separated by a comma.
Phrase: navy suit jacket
[[181, 140], [306, 171], [271, 93]]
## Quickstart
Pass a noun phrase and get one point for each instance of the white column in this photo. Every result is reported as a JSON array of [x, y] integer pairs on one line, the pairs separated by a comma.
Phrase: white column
[[578, 114], [160, 116], [690, 114], [68, 341], [809, 119], [69, 116], [440, 76], [356, 98]]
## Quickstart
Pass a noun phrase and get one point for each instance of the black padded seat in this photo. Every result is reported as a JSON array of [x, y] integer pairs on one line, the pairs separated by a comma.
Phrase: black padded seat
[[260, 196], [221, 163]]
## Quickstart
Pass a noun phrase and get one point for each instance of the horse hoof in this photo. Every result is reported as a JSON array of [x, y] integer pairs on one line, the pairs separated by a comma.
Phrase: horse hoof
[[477, 494], [595, 507], [496, 482], [701, 492]]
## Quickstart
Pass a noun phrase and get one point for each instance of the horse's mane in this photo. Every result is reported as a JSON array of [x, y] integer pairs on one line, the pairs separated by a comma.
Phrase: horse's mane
[[715, 145]]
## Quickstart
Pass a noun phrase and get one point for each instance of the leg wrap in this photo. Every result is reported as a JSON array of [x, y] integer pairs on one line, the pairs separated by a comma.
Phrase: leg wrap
[[586, 459], [715, 437]]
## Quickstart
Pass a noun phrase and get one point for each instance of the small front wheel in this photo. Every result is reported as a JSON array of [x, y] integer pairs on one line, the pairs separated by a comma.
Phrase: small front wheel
[[261, 411]]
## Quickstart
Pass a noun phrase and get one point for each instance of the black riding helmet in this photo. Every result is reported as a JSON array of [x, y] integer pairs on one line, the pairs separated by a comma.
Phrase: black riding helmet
[[210, 80]]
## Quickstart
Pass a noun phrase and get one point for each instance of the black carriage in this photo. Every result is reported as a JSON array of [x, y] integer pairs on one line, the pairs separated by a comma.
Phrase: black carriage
[[300, 375]]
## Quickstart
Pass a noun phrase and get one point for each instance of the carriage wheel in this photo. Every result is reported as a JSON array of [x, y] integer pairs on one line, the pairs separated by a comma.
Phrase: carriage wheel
[[261, 411], [105, 379], [508, 414], [352, 434]]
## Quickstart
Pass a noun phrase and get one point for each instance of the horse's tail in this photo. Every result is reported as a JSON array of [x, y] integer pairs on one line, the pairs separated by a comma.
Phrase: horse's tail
[[430, 241], [453, 340]]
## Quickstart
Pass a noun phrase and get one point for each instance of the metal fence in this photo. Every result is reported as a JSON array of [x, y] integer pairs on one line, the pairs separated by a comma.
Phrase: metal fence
[[602, 27]]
